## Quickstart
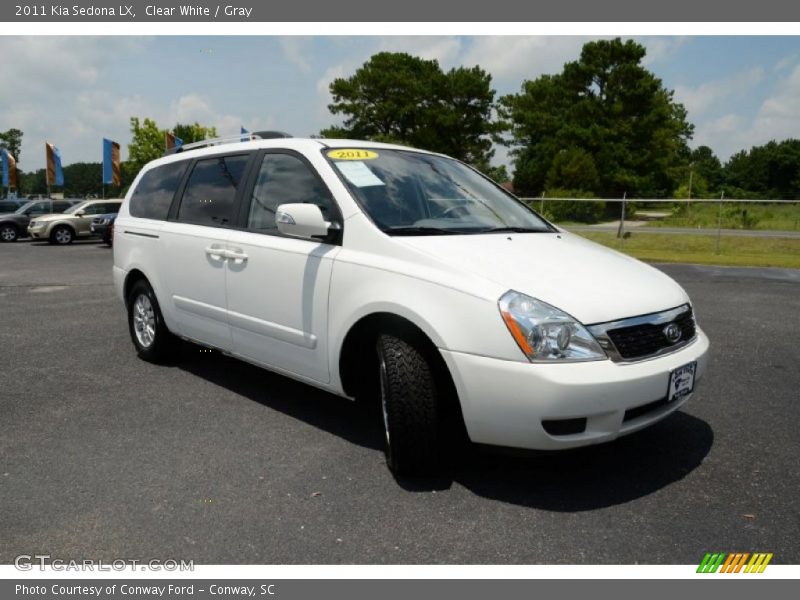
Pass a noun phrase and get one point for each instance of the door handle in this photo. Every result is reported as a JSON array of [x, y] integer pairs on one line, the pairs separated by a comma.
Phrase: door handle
[[216, 253], [237, 256]]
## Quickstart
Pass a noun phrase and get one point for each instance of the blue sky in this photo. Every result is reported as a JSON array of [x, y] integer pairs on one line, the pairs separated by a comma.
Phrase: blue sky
[[739, 91]]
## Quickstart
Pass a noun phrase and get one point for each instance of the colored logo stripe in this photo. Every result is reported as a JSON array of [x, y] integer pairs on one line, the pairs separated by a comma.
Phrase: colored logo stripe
[[734, 562], [758, 563]]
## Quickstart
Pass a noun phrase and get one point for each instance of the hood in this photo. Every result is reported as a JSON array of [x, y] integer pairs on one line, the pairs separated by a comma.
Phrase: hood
[[592, 283], [52, 216]]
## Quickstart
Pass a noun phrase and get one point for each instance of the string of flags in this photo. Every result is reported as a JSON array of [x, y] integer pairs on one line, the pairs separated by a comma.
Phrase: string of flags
[[55, 171]]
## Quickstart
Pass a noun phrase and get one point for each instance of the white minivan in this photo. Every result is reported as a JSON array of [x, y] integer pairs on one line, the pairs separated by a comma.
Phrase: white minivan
[[383, 272]]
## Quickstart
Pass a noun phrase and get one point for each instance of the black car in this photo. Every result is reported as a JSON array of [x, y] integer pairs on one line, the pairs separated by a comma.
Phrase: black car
[[9, 205], [103, 226], [14, 225]]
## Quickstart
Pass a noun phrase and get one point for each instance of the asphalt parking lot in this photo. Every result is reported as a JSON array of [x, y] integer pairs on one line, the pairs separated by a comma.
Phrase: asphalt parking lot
[[105, 456]]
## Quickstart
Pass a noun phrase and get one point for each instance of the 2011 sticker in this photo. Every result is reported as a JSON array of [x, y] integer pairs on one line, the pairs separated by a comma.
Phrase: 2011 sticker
[[352, 154]]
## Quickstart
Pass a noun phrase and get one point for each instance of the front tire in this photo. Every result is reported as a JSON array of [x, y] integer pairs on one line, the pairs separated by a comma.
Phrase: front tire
[[150, 336], [8, 233], [410, 407], [62, 235]]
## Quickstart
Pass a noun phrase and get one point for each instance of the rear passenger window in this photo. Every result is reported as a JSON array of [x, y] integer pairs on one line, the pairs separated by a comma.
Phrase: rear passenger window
[[108, 207], [153, 196], [211, 190], [284, 179]]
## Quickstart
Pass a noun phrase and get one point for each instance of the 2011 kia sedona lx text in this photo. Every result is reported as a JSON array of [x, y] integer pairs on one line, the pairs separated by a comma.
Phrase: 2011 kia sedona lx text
[[382, 272]]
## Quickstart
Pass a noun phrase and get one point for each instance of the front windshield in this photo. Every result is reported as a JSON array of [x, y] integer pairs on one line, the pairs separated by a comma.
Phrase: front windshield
[[22, 209], [411, 193], [76, 207]]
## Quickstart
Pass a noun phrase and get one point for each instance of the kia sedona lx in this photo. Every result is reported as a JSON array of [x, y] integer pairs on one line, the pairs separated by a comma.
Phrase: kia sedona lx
[[406, 278]]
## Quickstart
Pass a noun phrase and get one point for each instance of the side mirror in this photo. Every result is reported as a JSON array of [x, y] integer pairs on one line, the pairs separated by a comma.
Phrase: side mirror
[[80, 213], [302, 220]]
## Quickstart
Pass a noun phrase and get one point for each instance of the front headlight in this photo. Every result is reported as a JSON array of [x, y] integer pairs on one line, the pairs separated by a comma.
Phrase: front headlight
[[545, 333], [32, 224]]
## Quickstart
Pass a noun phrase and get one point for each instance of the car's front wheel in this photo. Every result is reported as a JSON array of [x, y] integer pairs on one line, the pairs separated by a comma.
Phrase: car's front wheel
[[150, 336], [410, 407], [62, 235], [8, 233]]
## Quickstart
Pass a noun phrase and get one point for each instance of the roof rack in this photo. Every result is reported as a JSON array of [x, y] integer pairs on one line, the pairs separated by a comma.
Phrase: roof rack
[[228, 139]]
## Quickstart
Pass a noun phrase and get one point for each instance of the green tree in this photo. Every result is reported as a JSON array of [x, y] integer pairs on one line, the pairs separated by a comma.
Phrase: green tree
[[608, 106], [708, 167], [194, 132], [82, 179], [498, 174], [147, 143], [768, 171], [12, 140], [396, 97]]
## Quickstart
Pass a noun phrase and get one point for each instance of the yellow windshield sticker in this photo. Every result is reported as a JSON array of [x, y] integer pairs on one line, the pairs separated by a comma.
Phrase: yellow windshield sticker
[[352, 154]]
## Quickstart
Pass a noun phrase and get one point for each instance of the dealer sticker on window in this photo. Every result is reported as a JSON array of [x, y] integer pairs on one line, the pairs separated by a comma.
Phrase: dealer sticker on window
[[352, 154], [681, 382]]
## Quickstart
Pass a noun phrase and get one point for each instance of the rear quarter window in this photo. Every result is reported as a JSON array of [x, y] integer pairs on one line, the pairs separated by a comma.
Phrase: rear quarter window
[[153, 196]]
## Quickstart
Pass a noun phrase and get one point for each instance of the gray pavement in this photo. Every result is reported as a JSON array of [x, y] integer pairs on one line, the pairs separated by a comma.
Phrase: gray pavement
[[104, 456]]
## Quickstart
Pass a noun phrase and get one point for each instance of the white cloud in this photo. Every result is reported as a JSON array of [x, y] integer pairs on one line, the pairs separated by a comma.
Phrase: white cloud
[[294, 49], [660, 49], [516, 58], [698, 99], [787, 62], [39, 65], [777, 118], [779, 115]]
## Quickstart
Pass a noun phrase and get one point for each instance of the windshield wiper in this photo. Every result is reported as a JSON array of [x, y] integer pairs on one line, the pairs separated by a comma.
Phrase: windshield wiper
[[414, 230], [513, 230]]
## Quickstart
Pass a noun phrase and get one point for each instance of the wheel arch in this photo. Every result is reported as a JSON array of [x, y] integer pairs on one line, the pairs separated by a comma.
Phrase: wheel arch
[[358, 363], [131, 278], [58, 224]]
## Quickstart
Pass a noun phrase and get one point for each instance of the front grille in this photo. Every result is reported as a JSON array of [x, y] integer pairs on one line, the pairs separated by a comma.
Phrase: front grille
[[642, 340]]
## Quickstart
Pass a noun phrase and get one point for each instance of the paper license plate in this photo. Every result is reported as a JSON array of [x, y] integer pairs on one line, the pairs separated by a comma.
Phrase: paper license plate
[[681, 382]]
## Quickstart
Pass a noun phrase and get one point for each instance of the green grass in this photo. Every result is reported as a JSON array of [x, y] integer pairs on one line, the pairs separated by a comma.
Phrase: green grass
[[776, 217], [701, 249]]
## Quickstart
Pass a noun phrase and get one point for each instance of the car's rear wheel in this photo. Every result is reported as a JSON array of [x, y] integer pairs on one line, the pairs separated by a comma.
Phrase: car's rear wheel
[[410, 407], [150, 336], [8, 233], [62, 235]]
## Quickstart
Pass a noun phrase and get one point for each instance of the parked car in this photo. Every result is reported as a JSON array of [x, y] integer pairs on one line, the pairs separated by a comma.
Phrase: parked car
[[103, 227], [73, 223], [409, 279], [15, 225], [10, 205]]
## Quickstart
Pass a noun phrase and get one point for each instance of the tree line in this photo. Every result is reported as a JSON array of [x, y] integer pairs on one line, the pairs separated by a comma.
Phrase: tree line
[[604, 127]]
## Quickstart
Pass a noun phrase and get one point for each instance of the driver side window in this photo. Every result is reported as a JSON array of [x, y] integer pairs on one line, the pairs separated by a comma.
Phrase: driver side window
[[284, 179], [42, 208]]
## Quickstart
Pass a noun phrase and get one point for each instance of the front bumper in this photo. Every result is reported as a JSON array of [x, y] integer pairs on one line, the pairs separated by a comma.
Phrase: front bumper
[[37, 232], [504, 402]]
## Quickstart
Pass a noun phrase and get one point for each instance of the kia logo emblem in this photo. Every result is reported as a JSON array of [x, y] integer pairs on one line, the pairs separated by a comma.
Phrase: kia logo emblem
[[672, 332]]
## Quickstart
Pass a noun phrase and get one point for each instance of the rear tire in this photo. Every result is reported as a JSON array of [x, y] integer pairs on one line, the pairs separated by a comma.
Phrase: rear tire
[[151, 338], [8, 233], [62, 235], [410, 407]]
